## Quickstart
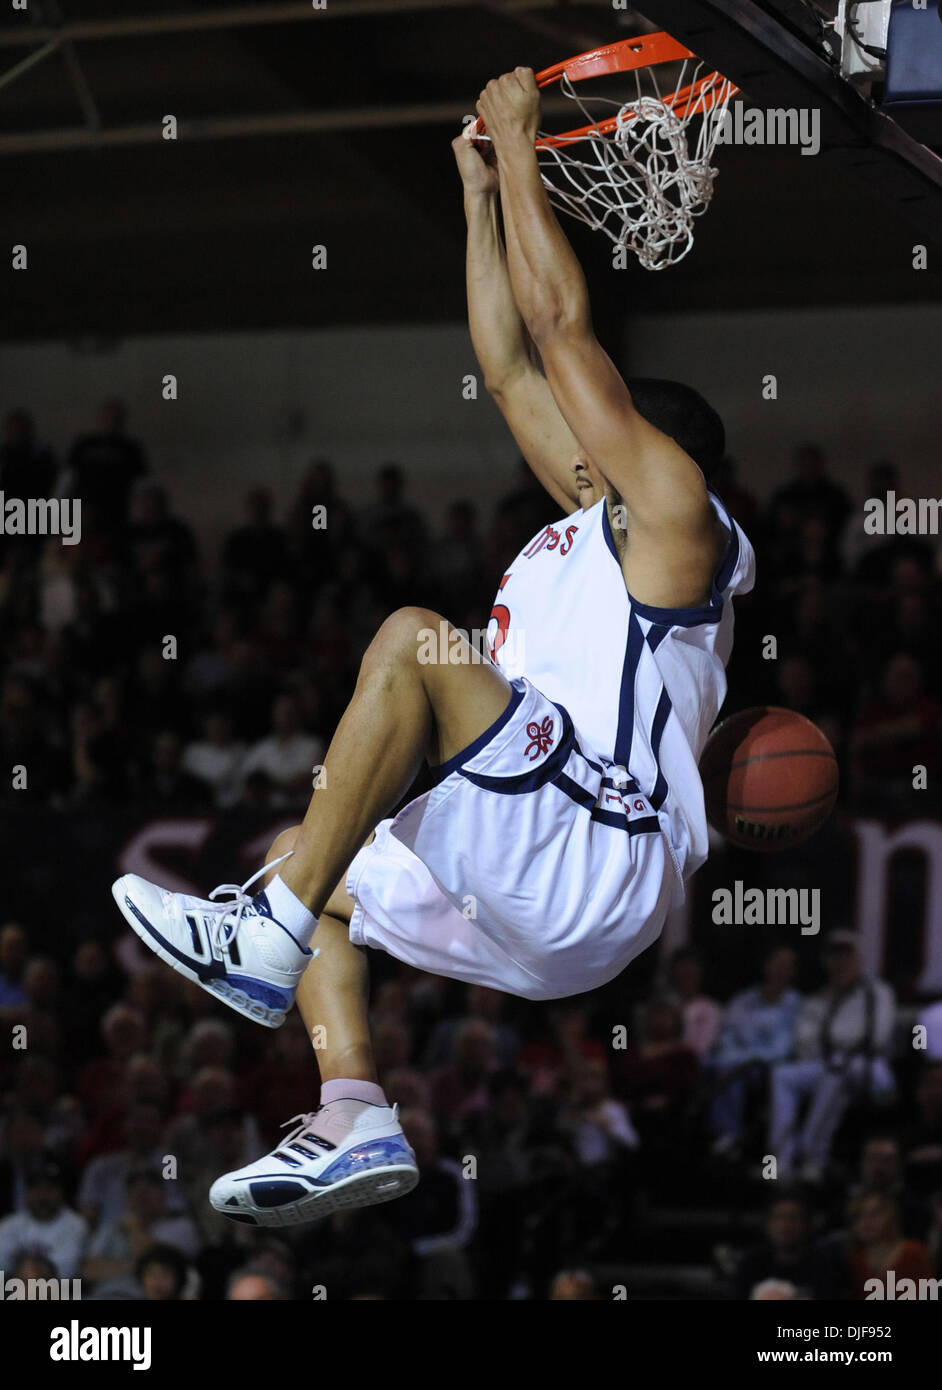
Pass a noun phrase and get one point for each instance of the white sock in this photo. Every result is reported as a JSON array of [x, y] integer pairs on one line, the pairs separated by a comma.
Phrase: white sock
[[288, 909]]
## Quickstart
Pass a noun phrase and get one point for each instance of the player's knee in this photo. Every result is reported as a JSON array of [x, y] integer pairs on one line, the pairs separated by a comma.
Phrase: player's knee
[[402, 637]]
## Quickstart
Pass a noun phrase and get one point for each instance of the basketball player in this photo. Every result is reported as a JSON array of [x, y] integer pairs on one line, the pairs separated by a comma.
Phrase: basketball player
[[567, 811]]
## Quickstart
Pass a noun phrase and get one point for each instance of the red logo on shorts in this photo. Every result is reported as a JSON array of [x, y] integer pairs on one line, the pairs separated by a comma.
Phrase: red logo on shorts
[[541, 737]]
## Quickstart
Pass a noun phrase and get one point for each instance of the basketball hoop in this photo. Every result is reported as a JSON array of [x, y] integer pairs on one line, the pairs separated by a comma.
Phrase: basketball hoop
[[638, 170]]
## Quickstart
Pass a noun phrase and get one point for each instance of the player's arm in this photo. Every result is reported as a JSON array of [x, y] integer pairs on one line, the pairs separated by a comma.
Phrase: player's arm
[[674, 535], [501, 342]]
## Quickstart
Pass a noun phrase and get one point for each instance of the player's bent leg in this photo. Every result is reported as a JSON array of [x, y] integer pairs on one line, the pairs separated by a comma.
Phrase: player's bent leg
[[422, 692], [413, 698]]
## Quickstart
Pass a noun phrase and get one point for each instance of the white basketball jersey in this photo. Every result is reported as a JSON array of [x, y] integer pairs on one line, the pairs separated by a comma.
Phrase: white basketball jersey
[[643, 685]]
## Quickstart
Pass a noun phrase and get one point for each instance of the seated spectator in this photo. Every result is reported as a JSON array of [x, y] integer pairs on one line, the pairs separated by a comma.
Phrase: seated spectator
[[143, 1221], [166, 786], [288, 755], [103, 1188], [702, 1016], [549, 1062], [657, 1075], [161, 1273], [256, 553], [758, 1029], [47, 1227], [95, 981], [899, 730], [124, 1033], [600, 1126], [488, 1004], [159, 541], [788, 1254], [438, 1217], [877, 1246], [880, 1169], [217, 758], [27, 468], [104, 466], [251, 1285], [461, 1089], [843, 1037], [21, 1147]]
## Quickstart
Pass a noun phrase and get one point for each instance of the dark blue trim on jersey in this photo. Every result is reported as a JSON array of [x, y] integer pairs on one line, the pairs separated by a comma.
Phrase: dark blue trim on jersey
[[626, 695], [520, 782], [659, 795], [689, 617], [656, 634], [453, 764], [618, 820]]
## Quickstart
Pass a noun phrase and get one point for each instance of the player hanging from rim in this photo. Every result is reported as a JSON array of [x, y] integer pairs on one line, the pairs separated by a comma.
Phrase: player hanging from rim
[[567, 809]]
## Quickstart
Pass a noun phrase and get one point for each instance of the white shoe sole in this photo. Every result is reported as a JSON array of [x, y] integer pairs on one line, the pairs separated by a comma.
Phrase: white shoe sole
[[236, 998], [359, 1190]]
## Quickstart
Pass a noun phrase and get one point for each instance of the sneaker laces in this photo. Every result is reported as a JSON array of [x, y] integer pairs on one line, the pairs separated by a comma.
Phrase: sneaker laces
[[223, 931], [304, 1123]]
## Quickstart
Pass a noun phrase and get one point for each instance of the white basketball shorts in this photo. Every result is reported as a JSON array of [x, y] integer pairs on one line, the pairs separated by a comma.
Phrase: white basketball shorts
[[525, 868]]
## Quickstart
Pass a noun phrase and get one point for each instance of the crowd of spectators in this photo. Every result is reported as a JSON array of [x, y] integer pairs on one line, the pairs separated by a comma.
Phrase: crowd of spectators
[[544, 1133]]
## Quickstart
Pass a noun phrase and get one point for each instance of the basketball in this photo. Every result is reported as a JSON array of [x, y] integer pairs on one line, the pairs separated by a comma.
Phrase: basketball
[[770, 778]]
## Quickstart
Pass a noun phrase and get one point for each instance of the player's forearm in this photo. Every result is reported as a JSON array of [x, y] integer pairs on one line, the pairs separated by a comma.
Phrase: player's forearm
[[497, 331], [547, 281]]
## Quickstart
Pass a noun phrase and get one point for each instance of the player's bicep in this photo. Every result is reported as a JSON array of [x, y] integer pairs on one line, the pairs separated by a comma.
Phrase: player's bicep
[[543, 436], [662, 487]]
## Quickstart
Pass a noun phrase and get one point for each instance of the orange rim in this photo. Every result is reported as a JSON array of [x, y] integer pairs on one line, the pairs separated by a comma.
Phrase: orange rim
[[628, 55]]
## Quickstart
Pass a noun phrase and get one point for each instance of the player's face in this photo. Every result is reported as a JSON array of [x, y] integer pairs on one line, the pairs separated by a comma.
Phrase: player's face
[[590, 484]]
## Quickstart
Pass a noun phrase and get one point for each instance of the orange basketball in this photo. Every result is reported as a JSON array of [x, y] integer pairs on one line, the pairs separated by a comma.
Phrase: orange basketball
[[770, 778]]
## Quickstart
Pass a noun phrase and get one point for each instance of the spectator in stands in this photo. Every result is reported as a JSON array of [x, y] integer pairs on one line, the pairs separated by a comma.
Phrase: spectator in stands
[[47, 1226], [21, 1148], [702, 1015], [288, 755], [758, 1030], [461, 1089], [104, 466], [161, 1273], [217, 758], [895, 733], [438, 1218], [488, 1004], [657, 1076], [600, 1126], [787, 1254], [880, 1169], [166, 786], [124, 1033], [103, 1188], [392, 519], [142, 1221], [251, 1285], [256, 553], [877, 1246], [158, 540], [843, 1038], [27, 468], [811, 494]]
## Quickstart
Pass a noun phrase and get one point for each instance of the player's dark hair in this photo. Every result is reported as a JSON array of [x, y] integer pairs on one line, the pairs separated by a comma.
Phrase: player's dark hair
[[681, 412]]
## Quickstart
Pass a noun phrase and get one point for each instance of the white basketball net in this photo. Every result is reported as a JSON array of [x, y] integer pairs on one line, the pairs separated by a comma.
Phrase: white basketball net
[[641, 185]]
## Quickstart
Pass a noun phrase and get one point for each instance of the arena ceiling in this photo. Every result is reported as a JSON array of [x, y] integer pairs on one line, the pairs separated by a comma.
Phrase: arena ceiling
[[299, 127]]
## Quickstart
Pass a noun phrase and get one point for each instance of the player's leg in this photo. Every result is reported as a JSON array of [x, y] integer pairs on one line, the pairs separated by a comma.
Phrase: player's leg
[[415, 697], [333, 994], [404, 708]]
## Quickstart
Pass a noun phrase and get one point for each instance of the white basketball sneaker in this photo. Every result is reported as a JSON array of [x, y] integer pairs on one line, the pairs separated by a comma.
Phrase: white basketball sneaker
[[345, 1154], [235, 949]]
